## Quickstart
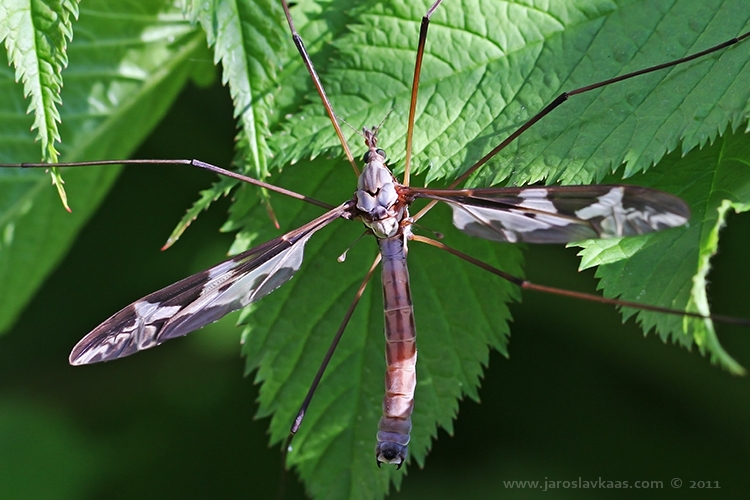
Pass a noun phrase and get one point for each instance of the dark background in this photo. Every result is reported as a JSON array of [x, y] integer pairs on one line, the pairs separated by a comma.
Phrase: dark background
[[581, 395]]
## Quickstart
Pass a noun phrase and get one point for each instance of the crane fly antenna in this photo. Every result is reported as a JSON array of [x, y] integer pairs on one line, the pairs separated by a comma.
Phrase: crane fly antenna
[[353, 128], [379, 125]]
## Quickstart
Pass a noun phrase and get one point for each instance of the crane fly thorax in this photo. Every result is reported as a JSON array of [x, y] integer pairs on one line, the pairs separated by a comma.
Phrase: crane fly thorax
[[377, 192]]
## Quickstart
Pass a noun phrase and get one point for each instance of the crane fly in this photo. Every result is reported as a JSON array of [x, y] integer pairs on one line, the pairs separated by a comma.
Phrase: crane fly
[[540, 214]]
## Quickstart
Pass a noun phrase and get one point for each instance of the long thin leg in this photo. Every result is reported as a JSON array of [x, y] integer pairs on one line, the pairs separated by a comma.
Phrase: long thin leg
[[528, 285], [318, 85], [415, 89], [331, 350], [193, 163], [564, 97]]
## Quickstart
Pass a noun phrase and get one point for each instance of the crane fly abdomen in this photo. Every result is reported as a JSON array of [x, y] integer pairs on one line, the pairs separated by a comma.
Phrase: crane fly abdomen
[[400, 352]]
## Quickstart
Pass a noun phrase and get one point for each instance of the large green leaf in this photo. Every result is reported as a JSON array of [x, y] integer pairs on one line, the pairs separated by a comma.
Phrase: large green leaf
[[670, 268], [489, 66], [36, 35], [483, 77], [127, 64]]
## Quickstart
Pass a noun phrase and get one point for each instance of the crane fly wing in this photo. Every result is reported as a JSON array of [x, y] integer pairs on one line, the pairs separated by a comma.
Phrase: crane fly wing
[[200, 299], [560, 214]]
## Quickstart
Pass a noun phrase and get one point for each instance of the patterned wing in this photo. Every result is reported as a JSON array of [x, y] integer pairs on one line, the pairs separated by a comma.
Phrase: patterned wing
[[200, 299], [560, 214]]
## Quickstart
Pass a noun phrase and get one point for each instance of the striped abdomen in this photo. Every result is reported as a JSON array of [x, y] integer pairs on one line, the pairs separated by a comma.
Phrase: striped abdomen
[[400, 353]]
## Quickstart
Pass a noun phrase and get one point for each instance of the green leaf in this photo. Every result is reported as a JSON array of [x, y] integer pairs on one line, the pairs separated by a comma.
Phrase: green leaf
[[489, 66], [249, 42], [633, 123], [221, 187], [670, 268], [36, 36], [127, 63]]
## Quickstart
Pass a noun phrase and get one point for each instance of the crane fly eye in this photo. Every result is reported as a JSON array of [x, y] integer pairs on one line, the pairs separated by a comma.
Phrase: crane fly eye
[[368, 155]]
